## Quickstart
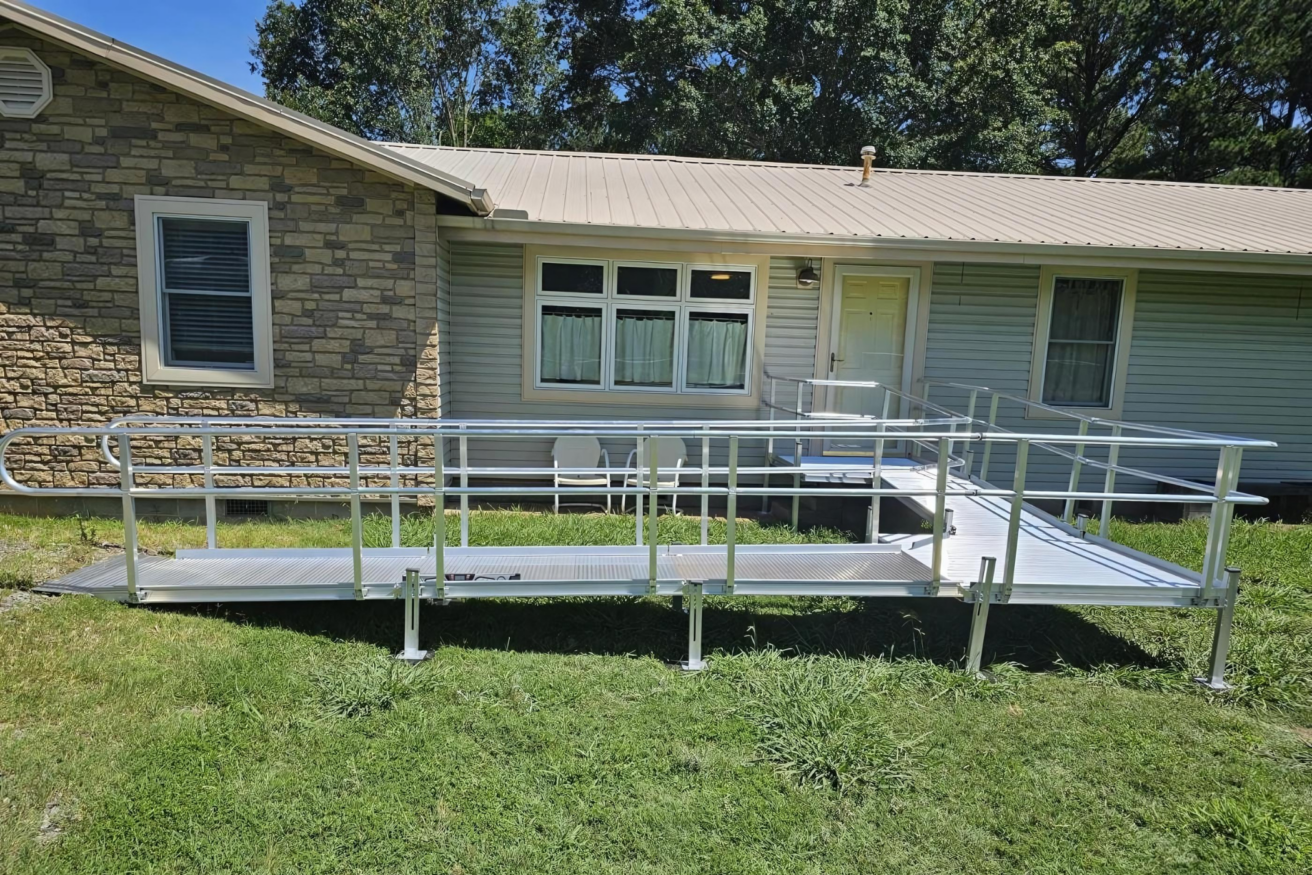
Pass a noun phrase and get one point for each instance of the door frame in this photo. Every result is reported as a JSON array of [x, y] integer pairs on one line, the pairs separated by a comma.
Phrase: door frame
[[909, 345]]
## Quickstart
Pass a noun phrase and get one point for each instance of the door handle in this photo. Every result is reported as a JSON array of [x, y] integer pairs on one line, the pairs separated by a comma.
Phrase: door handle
[[833, 357]]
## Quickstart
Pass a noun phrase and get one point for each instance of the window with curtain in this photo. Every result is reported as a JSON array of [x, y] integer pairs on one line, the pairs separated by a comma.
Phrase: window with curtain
[[1081, 354], [205, 268], [644, 348], [644, 326], [570, 345], [717, 350]]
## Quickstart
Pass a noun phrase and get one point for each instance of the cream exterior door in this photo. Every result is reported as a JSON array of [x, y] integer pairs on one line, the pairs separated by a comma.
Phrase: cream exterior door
[[869, 345]]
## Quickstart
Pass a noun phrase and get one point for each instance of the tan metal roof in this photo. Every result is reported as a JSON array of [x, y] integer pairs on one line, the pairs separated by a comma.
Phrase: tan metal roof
[[758, 198]]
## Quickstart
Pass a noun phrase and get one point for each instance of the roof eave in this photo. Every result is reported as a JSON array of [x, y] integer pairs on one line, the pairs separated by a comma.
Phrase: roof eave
[[928, 248], [244, 104]]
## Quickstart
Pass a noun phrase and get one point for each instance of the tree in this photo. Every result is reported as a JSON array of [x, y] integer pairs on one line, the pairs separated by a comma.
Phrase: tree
[[1199, 90], [1102, 61], [454, 72]]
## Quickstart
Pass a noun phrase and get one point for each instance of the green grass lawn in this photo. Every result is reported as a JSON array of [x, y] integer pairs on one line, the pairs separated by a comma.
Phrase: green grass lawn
[[827, 736]]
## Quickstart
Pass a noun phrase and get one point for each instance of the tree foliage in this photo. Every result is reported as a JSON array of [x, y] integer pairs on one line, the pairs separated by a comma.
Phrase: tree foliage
[[1217, 90]]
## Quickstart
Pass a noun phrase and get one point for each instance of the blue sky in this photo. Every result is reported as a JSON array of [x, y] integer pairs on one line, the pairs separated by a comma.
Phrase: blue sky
[[214, 38]]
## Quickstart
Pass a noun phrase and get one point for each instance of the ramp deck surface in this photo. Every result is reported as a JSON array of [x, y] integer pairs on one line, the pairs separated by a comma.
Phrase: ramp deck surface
[[292, 575]]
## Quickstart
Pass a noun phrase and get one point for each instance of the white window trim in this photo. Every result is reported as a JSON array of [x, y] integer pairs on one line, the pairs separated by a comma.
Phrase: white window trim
[[597, 303], [1042, 325], [153, 363], [663, 305], [610, 300], [47, 89], [732, 268], [681, 281], [683, 357]]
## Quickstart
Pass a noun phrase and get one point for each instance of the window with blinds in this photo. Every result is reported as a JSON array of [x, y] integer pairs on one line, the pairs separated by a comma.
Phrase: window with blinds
[[206, 292], [205, 265]]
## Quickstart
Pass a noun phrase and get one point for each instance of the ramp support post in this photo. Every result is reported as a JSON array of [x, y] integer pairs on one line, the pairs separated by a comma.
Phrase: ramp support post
[[1225, 616], [410, 592], [979, 617], [692, 597]]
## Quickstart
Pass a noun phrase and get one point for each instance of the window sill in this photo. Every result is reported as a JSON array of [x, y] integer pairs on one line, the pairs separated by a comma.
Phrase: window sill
[[650, 398], [216, 378], [1113, 412]]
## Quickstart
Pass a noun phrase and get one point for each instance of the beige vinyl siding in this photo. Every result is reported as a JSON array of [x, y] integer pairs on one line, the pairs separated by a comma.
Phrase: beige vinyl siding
[[1213, 352], [487, 335], [791, 328], [981, 332], [445, 377], [1226, 353]]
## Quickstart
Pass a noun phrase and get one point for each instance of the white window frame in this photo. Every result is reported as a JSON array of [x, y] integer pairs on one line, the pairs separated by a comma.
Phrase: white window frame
[[1042, 327], [607, 280], [683, 357], [663, 305], [149, 209], [611, 301], [725, 268], [579, 301], [680, 281]]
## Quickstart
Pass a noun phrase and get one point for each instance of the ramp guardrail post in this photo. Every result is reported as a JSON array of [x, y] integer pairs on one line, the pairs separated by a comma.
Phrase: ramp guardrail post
[[653, 479], [731, 522], [692, 599], [1225, 616], [357, 523], [464, 484], [1013, 523], [125, 479], [769, 452], [979, 617], [970, 426], [637, 496], [1218, 528], [394, 480], [988, 444], [410, 592], [1076, 464], [940, 508], [211, 509], [877, 470], [1109, 486], [797, 461], [706, 484], [439, 512]]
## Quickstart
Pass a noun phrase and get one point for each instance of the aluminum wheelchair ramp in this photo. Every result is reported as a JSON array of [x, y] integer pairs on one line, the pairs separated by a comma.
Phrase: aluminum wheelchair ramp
[[1055, 564], [225, 575]]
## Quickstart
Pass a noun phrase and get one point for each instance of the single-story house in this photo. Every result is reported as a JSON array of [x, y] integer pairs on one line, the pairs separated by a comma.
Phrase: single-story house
[[170, 244]]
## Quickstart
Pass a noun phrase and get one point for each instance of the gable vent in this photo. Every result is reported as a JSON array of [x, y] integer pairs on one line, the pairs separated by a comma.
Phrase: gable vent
[[24, 83]]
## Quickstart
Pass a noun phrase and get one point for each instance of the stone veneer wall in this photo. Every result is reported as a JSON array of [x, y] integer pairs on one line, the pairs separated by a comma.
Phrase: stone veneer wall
[[354, 266]]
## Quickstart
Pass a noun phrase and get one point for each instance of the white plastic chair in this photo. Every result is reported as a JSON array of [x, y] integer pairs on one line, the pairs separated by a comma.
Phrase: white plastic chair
[[580, 452], [670, 452]]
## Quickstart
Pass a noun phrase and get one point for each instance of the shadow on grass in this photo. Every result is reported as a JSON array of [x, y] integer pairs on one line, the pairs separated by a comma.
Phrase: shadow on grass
[[1035, 637]]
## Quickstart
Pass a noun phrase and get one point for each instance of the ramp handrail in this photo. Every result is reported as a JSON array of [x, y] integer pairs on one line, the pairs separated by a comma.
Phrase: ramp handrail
[[646, 481]]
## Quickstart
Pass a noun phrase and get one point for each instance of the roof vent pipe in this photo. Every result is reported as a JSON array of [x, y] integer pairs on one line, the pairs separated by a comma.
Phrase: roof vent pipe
[[867, 158]]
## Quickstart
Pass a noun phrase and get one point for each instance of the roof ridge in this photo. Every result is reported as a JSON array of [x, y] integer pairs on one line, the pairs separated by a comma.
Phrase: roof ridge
[[844, 168]]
